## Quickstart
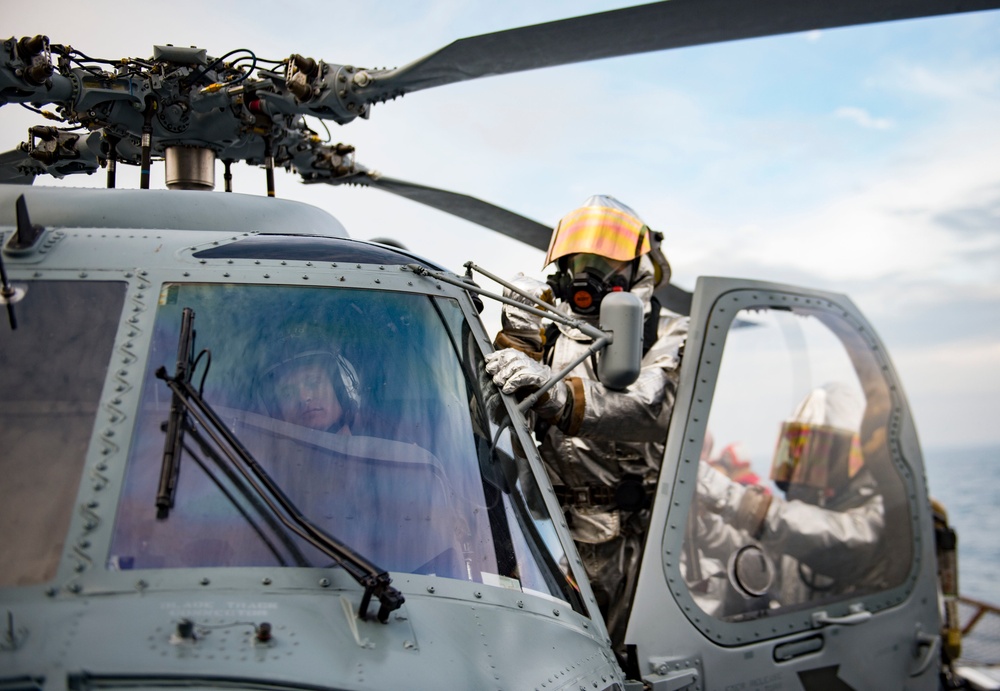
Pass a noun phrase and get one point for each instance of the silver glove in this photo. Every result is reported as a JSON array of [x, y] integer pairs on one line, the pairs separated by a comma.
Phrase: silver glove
[[518, 321], [513, 371], [743, 507], [716, 492]]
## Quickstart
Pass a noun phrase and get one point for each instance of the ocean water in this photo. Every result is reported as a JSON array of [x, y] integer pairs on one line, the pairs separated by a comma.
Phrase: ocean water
[[967, 482]]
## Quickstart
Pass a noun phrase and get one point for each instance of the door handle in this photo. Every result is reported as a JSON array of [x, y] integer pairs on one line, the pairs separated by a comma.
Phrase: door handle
[[930, 646], [857, 615]]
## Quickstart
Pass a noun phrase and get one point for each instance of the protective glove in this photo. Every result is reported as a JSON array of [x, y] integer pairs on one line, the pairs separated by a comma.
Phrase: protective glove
[[716, 492], [515, 372], [743, 506], [521, 329]]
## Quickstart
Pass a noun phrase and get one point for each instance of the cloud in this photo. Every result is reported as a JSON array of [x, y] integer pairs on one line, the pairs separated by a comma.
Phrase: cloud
[[862, 117], [952, 389], [974, 219], [958, 82]]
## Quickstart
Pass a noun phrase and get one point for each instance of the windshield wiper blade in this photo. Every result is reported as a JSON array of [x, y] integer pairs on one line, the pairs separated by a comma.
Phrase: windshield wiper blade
[[374, 580], [173, 444]]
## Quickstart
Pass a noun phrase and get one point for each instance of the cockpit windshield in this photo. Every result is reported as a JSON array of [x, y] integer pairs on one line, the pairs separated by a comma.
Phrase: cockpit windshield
[[368, 410]]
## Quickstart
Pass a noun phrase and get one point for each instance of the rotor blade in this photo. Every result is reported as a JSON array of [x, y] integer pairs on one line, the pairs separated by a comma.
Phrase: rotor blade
[[471, 209], [496, 218], [18, 168], [645, 28], [674, 298]]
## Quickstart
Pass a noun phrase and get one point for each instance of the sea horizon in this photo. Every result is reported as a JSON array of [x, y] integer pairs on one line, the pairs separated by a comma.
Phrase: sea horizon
[[966, 481]]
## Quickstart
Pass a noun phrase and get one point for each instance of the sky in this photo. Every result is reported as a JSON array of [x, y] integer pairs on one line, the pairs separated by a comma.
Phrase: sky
[[863, 161]]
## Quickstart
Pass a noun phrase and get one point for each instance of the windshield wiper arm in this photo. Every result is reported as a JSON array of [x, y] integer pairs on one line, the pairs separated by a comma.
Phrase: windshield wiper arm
[[374, 580]]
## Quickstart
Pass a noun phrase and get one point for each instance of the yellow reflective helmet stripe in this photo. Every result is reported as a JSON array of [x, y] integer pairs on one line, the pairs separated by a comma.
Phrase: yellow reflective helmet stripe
[[602, 230]]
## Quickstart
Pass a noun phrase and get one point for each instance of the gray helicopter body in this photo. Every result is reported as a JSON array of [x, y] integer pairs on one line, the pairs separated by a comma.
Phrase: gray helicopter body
[[90, 604], [170, 521]]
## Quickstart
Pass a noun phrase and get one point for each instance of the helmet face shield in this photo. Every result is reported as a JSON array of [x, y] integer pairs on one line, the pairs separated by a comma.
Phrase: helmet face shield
[[816, 456], [608, 230], [602, 226], [602, 267]]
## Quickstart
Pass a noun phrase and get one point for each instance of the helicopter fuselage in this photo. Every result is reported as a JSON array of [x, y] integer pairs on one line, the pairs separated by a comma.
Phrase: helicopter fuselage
[[167, 526]]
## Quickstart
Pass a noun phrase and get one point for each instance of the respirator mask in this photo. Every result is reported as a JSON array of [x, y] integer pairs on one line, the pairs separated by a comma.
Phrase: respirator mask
[[584, 279]]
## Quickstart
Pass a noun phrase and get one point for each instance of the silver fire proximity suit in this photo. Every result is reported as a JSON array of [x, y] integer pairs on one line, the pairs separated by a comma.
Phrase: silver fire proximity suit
[[602, 448], [619, 440]]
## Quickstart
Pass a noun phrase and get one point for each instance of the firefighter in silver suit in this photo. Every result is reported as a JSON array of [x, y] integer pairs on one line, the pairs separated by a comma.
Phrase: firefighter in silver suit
[[602, 448]]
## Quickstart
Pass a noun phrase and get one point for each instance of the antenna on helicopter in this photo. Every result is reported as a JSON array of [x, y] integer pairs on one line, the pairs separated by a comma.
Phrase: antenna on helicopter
[[23, 240]]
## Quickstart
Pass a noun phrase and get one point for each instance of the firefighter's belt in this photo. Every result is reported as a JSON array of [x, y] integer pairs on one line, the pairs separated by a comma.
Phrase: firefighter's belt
[[588, 495], [631, 494]]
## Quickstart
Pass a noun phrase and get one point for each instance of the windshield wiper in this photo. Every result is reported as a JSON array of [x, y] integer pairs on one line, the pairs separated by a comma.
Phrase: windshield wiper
[[172, 445], [374, 580]]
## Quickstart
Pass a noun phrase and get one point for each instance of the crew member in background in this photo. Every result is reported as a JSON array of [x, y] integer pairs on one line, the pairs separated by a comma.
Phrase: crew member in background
[[822, 538]]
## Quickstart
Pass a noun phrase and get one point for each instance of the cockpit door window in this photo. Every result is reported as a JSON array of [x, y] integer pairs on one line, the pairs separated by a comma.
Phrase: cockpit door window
[[799, 501]]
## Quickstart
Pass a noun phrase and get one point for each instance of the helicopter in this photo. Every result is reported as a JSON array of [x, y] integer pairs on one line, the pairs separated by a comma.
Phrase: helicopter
[[189, 560]]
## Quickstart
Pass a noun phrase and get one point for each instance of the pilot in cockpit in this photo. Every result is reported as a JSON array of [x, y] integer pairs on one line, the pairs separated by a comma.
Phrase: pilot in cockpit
[[384, 499], [311, 386]]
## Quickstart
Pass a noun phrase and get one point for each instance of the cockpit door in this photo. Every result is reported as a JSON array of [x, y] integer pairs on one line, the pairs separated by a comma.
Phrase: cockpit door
[[791, 544]]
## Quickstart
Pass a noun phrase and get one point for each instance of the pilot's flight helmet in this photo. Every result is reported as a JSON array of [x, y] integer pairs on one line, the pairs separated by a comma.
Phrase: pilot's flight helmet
[[819, 449], [299, 350], [600, 247]]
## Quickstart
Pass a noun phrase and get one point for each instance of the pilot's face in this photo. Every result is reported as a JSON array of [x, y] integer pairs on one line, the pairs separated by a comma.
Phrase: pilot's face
[[306, 397]]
